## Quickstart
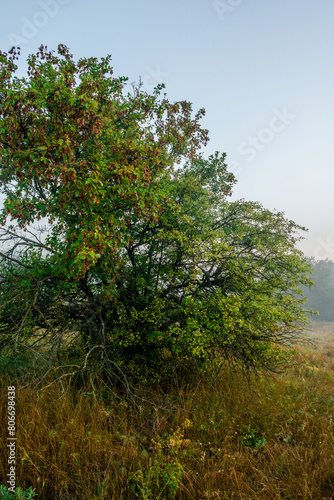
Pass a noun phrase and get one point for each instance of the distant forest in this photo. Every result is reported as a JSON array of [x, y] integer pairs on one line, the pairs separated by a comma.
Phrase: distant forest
[[321, 296]]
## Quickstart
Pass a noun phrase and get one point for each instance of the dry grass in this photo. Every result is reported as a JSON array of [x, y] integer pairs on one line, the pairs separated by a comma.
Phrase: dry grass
[[273, 439]]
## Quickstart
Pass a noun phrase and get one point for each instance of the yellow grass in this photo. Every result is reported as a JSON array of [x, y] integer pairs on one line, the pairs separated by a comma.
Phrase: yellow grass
[[221, 439]]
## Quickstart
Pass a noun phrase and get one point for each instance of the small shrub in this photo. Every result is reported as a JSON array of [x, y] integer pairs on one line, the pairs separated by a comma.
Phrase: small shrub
[[157, 479]]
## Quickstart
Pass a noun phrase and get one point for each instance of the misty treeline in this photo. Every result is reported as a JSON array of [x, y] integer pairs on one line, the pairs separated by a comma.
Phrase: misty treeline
[[321, 296]]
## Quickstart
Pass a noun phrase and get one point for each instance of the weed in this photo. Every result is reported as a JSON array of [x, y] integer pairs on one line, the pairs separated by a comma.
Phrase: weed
[[157, 479]]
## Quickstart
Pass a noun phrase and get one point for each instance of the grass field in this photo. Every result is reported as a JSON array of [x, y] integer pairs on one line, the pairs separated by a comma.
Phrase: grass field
[[212, 438]]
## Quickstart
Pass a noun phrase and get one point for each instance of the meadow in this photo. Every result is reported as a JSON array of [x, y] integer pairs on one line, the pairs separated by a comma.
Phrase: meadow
[[218, 436]]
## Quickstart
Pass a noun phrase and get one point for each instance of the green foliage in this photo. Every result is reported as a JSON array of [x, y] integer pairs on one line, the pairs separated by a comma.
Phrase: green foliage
[[77, 149], [145, 266], [19, 494], [157, 479]]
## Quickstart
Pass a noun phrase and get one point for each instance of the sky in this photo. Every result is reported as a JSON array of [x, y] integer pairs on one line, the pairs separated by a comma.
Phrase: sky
[[262, 69]]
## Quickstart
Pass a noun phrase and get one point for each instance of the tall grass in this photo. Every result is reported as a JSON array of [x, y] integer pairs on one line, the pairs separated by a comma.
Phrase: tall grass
[[211, 438]]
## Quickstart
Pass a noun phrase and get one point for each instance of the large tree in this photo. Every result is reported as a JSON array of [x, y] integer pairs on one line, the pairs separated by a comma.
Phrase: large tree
[[142, 257]]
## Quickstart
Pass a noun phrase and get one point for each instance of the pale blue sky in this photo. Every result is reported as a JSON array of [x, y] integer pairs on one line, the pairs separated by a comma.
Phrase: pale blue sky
[[262, 69]]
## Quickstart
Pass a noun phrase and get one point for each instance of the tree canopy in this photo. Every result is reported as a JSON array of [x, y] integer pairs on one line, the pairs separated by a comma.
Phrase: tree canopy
[[143, 259]]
